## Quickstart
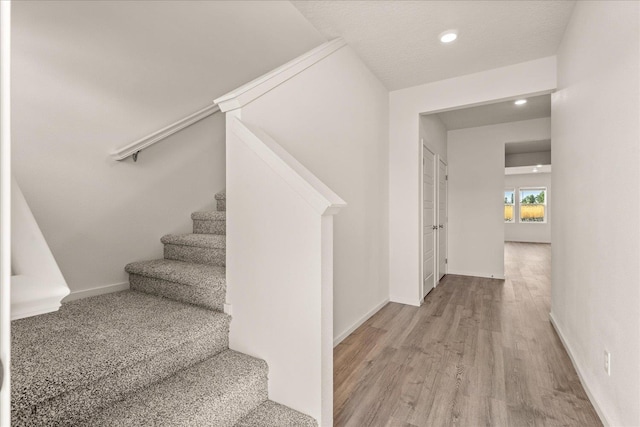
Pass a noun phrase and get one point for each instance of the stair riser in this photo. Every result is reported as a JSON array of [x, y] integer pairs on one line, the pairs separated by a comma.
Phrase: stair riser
[[68, 408], [217, 392], [270, 413], [212, 298], [221, 205], [209, 227], [227, 410], [196, 255]]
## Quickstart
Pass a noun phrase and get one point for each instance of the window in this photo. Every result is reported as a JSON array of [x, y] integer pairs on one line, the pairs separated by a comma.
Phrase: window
[[533, 205], [509, 205]]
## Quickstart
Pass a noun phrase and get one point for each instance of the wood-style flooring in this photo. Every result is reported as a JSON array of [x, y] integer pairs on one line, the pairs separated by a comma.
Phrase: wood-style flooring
[[478, 352]]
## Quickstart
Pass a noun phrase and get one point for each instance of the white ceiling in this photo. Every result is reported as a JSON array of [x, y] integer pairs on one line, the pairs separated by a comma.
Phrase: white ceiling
[[398, 40], [527, 147], [499, 112]]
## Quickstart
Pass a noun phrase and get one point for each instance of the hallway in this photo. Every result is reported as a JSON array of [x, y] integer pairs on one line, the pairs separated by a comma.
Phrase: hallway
[[477, 352]]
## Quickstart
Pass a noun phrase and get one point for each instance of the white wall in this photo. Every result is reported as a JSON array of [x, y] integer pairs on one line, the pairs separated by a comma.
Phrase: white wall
[[333, 118], [528, 159], [93, 76], [529, 232], [434, 133], [595, 262], [476, 187], [534, 77]]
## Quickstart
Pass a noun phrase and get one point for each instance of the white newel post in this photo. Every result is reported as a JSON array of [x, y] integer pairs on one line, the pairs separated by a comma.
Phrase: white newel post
[[327, 319]]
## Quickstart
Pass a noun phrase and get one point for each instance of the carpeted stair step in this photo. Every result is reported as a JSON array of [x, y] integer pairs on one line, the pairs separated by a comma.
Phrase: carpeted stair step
[[209, 222], [217, 392], [198, 248], [198, 284], [92, 352], [221, 201], [272, 414]]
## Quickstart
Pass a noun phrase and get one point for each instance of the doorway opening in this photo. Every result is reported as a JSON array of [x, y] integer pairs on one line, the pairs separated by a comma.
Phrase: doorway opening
[[433, 204], [486, 155]]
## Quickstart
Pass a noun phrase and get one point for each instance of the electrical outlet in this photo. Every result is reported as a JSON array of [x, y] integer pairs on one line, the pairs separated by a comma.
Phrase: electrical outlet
[[607, 362]]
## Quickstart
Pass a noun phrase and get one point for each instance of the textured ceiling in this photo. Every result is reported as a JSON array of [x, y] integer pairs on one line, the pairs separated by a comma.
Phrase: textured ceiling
[[398, 40], [500, 112]]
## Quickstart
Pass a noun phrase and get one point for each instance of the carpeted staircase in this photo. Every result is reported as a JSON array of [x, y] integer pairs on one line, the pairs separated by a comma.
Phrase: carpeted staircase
[[155, 355]]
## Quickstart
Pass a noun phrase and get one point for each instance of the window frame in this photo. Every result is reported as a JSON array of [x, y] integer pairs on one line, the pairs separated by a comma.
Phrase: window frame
[[545, 204], [515, 198]]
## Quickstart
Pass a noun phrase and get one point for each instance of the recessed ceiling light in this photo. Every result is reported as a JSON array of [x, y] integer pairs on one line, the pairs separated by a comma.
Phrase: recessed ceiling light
[[538, 166], [448, 36], [520, 102], [535, 170]]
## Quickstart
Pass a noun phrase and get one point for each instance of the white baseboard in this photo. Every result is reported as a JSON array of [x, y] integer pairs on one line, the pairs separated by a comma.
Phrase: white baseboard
[[576, 366], [32, 296], [472, 274], [337, 340], [405, 301], [100, 290], [528, 241], [228, 309]]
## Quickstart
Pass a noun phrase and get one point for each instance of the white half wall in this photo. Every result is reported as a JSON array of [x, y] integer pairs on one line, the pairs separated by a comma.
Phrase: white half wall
[[476, 188], [527, 159], [333, 119], [405, 107], [529, 232], [280, 268], [595, 260], [37, 285], [90, 77]]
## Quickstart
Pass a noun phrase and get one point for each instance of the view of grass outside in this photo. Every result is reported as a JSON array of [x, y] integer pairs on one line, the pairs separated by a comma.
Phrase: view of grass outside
[[509, 200], [532, 204], [508, 213], [532, 213]]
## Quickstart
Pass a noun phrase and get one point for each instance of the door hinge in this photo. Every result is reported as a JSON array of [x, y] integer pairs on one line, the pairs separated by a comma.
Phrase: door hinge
[[446, 260], [446, 177]]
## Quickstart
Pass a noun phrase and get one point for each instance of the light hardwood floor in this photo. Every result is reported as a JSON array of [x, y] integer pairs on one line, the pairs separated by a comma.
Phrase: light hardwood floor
[[478, 352]]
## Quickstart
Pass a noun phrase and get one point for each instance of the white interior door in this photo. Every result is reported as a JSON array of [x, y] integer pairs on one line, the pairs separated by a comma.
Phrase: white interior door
[[428, 221], [442, 219]]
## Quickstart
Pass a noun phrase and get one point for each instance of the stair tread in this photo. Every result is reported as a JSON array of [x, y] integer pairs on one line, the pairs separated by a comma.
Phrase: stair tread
[[221, 195], [183, 398], [94, 337], [212, 241], [185, 273], [209, 216], [272, 414]]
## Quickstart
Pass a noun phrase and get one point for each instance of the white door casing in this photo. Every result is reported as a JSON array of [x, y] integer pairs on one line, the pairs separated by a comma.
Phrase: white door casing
[[442, 219]]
